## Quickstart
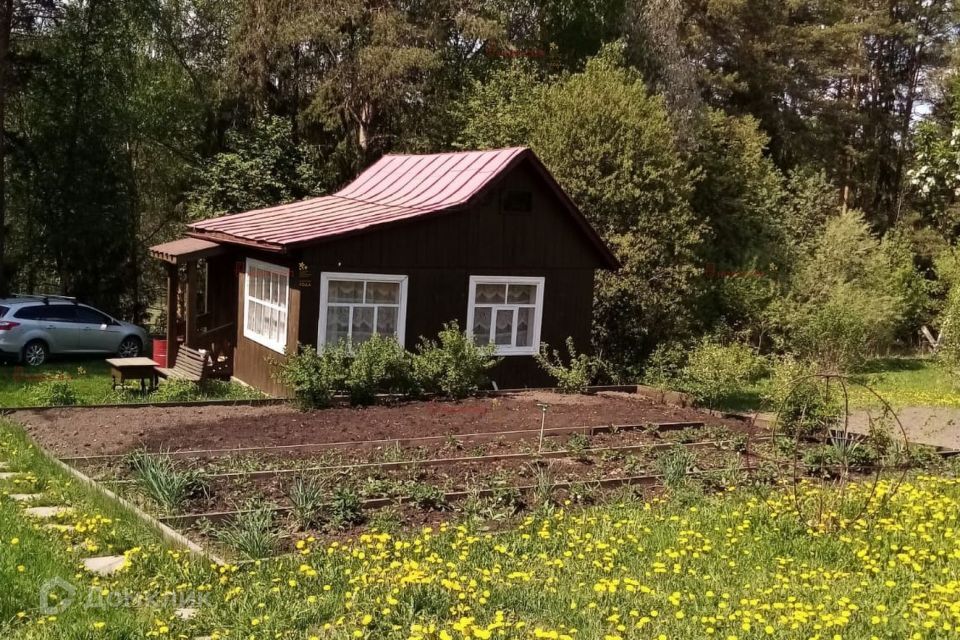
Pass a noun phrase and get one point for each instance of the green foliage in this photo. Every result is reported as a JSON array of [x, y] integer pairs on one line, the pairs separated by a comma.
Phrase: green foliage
[[574, 377], [307, 496], [176, 390], [427, 496], [803, 402], [252, 533], [609, 143], [56, 391], [665, 365], [314, 376], [715, 370], [949, 352], [674, 464], [378, 365], [849, 296], [454, 365], [346, 509], [259, 167], [169, 486]]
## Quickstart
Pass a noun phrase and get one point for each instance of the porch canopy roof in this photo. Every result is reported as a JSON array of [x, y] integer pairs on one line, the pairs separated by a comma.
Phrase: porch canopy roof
[[185, 250]]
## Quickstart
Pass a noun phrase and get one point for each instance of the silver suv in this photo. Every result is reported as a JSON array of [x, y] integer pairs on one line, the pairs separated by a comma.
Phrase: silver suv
[[33, 327]]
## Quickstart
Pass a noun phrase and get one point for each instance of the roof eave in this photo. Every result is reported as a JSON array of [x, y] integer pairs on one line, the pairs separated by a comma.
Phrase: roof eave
[[226, 238]]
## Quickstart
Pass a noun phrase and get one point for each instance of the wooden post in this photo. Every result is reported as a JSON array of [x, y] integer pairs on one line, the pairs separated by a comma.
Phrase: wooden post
[[190, 305], [173, 286]]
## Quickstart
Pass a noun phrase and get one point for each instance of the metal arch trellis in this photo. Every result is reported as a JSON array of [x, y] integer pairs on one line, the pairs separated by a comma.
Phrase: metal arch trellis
[[842, 479]]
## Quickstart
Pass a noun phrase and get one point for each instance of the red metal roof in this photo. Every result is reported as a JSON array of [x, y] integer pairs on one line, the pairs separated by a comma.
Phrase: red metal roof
[[395, 188]]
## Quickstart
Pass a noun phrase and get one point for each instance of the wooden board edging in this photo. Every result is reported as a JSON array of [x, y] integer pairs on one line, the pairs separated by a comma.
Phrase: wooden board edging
[[174, 537]]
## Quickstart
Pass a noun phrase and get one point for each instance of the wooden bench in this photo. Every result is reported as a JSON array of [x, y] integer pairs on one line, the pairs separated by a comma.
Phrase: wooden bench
[[191, 364]]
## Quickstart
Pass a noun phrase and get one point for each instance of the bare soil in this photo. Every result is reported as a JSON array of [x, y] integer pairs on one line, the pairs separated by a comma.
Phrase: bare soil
[[96, 431]]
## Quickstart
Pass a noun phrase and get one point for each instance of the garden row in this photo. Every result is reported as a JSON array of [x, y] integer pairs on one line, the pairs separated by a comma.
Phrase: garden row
[[257, 505]]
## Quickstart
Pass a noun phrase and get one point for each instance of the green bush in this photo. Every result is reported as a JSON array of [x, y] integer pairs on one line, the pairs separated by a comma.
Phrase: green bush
[[176, 390], [665, 365], [574, 377], [804, 401], [455, 366], [314, 376], [345, 510], [53, 393], [379, 364], [715, 371]]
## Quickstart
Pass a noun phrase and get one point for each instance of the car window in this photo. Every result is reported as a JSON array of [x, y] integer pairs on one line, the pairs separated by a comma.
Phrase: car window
[[86, 315], [3, 311], [37, 312], [61, 313]]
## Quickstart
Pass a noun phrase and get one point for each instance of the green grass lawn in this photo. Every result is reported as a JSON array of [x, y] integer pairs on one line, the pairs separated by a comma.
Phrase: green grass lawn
[[903, 382], [90, 379], [89, 382], [742, 565], [907, 382]]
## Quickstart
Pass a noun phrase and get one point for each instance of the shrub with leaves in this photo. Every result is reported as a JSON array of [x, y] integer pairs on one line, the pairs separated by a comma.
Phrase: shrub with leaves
[[804, 402], [573, 377], [346, 508], [454, 366], [715, 371], [54, 392], [379, 364], [427, 496], [314, 376]]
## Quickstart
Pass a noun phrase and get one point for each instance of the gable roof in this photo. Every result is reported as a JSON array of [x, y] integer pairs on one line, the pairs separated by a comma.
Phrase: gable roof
[[396, 188]]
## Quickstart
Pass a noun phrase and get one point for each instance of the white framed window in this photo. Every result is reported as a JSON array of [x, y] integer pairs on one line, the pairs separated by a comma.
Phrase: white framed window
[[265, 301], [355, 306], [506, 311]]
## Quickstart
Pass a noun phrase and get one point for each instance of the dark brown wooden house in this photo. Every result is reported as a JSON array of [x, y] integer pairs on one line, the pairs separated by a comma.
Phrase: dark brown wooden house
[[487, 238]]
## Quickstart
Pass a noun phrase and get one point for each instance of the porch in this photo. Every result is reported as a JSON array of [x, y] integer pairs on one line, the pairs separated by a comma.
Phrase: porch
[[200, 307]]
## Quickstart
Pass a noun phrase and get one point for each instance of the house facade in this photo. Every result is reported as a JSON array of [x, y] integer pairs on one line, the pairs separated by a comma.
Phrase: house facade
[[486, 238]]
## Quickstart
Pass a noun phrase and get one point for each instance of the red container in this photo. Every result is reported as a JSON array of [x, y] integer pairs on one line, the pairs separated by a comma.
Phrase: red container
[[160, 352]]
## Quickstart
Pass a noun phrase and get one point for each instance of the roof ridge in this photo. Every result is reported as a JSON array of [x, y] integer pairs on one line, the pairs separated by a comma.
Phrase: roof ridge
[[454, 153]]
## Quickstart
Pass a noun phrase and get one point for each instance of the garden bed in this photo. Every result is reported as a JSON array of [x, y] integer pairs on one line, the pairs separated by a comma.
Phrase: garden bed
[[97, 431]]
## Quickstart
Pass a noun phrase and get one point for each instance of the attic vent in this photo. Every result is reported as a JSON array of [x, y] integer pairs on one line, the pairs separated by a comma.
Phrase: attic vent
[[517, 201]]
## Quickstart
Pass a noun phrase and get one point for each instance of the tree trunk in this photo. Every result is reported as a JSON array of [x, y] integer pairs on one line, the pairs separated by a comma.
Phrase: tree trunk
[[6, 25]]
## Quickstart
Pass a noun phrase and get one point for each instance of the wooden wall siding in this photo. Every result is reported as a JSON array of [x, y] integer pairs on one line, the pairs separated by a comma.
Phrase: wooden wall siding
[[252, 360], [222, 292], [440, 253]]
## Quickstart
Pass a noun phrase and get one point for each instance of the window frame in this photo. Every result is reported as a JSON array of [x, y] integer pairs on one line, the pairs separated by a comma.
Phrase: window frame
[[327, 276], [508, 350], [249, 333]]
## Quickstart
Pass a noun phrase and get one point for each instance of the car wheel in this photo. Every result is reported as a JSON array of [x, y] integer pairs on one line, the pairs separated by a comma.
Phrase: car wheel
[[35, 353], [130, 347]]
